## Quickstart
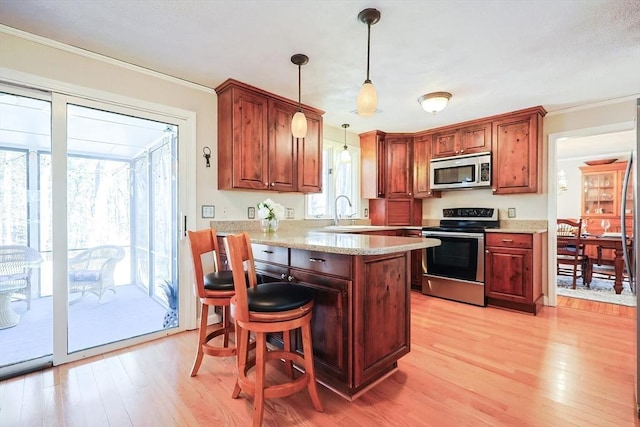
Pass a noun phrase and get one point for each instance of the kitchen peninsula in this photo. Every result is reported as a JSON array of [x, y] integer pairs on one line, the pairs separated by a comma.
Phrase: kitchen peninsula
[[361, 286]]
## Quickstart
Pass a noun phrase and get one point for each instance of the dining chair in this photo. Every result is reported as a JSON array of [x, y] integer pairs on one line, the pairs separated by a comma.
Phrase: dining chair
[[570, 251], [16, 263], [213, 287], [262, 309]]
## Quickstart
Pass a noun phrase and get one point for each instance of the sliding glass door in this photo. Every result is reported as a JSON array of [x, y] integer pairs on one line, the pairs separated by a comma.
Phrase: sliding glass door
[[89, 234]]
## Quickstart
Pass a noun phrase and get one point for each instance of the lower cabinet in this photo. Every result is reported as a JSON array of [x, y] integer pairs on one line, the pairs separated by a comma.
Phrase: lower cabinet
[[513, 270], [356, 340]]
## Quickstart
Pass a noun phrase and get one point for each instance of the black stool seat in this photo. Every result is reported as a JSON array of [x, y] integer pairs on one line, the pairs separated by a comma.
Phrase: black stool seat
[[219, 281], [277, 296]]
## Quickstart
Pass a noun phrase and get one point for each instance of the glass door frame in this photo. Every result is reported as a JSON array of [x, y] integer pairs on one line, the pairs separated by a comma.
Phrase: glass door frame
[[62, 94]]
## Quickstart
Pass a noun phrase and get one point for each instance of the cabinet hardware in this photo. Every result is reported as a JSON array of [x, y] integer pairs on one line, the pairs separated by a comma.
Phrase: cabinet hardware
[[316, 260], [290, 278], [507, 240], [282, 276], [267, 252], [273, 184]]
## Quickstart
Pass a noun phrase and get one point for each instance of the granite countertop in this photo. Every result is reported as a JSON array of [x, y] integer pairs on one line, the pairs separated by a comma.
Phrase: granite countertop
[[339, 243]]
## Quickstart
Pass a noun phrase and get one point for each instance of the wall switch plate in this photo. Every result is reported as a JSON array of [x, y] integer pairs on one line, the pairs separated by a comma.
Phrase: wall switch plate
[[208, 211], [251, 212], [290, 213], [511, 213], [366, 212]]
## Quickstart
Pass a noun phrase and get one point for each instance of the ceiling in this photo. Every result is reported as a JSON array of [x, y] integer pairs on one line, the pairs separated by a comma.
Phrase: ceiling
[[493, 56]]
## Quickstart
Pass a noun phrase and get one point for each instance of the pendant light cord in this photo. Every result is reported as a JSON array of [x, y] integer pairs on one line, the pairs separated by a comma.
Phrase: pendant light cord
[[368, 51], [299, 88]]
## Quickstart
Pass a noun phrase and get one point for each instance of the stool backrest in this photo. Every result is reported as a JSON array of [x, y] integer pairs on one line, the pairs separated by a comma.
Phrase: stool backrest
[[203, 242], [240, 256]]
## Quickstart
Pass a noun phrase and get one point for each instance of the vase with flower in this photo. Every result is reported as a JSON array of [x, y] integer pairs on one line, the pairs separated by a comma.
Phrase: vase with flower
[[270, 213]]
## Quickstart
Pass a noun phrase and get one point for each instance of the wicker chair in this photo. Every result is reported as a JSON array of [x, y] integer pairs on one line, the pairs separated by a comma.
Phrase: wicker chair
[[16, 263], [91, 271]]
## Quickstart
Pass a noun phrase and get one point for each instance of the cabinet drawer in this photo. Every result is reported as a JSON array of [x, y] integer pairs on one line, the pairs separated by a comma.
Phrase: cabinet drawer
[[322, 262], [274, 254], [509, 240]]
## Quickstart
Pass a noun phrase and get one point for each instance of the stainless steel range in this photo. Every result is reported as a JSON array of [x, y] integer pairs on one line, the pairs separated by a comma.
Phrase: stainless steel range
[[455, 269]]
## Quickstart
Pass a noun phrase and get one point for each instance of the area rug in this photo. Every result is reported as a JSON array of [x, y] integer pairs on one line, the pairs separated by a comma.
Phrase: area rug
[[599, 290]]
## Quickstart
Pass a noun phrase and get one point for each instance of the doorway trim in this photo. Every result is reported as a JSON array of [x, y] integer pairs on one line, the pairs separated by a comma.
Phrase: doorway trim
[[552, 205]]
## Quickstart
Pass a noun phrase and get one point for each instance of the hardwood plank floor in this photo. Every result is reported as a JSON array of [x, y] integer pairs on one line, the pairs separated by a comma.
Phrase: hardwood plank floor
[[468, 366]]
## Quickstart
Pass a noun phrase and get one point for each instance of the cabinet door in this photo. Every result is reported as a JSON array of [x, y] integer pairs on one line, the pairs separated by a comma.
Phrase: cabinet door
[[475, 139], [600, 193], [421, 162], [310, 157], [250, 140], [446, 144], [329, 323], [508, 273], [282, 148], [372, 162], [398, 173], [381, 314], [516, 151]]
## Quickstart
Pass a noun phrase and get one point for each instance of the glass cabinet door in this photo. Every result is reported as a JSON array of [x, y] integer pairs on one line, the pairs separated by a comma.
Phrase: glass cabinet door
[[599, 193]]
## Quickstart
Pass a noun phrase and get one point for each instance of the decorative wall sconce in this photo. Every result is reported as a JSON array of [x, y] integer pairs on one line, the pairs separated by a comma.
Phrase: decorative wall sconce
[[299, 121], [368, 96], [207, 155]]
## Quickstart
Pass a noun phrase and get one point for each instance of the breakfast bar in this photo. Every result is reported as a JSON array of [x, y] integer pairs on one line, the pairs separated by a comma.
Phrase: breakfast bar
[[361, 285]]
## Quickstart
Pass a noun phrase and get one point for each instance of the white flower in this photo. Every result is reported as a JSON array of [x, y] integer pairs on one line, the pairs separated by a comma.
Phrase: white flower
[[270, 210]]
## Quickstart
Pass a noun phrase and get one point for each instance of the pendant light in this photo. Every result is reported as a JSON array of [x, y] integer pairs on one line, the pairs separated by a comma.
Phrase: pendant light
[[434, 102], [345, 156], [299, 121], [368, 97]]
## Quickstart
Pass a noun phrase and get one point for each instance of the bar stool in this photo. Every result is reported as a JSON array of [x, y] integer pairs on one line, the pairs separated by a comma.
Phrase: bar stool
[[268, 307], [213, 289]]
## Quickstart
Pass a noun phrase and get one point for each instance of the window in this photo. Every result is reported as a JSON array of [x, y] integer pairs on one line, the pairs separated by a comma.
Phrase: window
[[338, 179]]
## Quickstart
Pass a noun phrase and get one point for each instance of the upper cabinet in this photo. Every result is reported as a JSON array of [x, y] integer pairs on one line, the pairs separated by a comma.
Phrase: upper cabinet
[[399, 174], [387, 167], [373, 164], [256, 150], [517, 151], [422, 145], [461, 141]]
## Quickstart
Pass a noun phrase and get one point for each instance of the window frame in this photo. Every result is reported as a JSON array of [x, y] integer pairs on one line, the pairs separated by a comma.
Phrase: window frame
[[331, 150]]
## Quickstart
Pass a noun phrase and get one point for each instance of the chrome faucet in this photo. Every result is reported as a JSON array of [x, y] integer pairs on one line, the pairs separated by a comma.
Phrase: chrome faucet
[[335, 208]]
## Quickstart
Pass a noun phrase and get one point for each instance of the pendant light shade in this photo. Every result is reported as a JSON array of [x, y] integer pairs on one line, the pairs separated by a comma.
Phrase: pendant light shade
[[434, 102], [368, 96], [345, 156], [299, 125], [299, 121], [367, 99]]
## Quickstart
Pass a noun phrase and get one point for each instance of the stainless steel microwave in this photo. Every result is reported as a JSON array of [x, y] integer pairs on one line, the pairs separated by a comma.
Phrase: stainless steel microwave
[[461, 172]]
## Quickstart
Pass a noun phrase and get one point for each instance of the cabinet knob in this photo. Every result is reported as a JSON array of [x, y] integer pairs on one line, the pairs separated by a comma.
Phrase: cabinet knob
[[461, 151], [266, 184], [273, 184], [290, 278], [486, 251], [409, 193], [493, 189], [282, 276]]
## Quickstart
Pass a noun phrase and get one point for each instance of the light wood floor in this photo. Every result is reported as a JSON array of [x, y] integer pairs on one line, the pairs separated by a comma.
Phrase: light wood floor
[[468, 366]]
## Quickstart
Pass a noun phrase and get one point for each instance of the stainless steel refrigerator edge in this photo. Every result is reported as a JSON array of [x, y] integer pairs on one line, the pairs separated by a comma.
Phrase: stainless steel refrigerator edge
[[636, 264]]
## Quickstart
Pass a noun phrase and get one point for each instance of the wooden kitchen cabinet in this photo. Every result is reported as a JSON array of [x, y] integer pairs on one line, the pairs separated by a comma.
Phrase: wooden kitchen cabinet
[[399, 171], [517, 152], [513, 270], [355, 341], [470, 139], [256, 150], [416, 262], [422, 145], [373, 164], [395, 211], [386, 164]]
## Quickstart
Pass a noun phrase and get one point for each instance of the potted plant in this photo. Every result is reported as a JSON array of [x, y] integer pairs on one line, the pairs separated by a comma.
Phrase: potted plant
[[171, 316]]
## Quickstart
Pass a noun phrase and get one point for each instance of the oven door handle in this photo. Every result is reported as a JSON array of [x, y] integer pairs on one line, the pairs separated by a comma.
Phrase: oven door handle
[[452, 234]]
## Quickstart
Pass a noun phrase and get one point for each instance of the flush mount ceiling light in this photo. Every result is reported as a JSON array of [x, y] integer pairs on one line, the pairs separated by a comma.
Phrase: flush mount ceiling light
[[368, 97], [299, 121], [345, 156], [434, 102]]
